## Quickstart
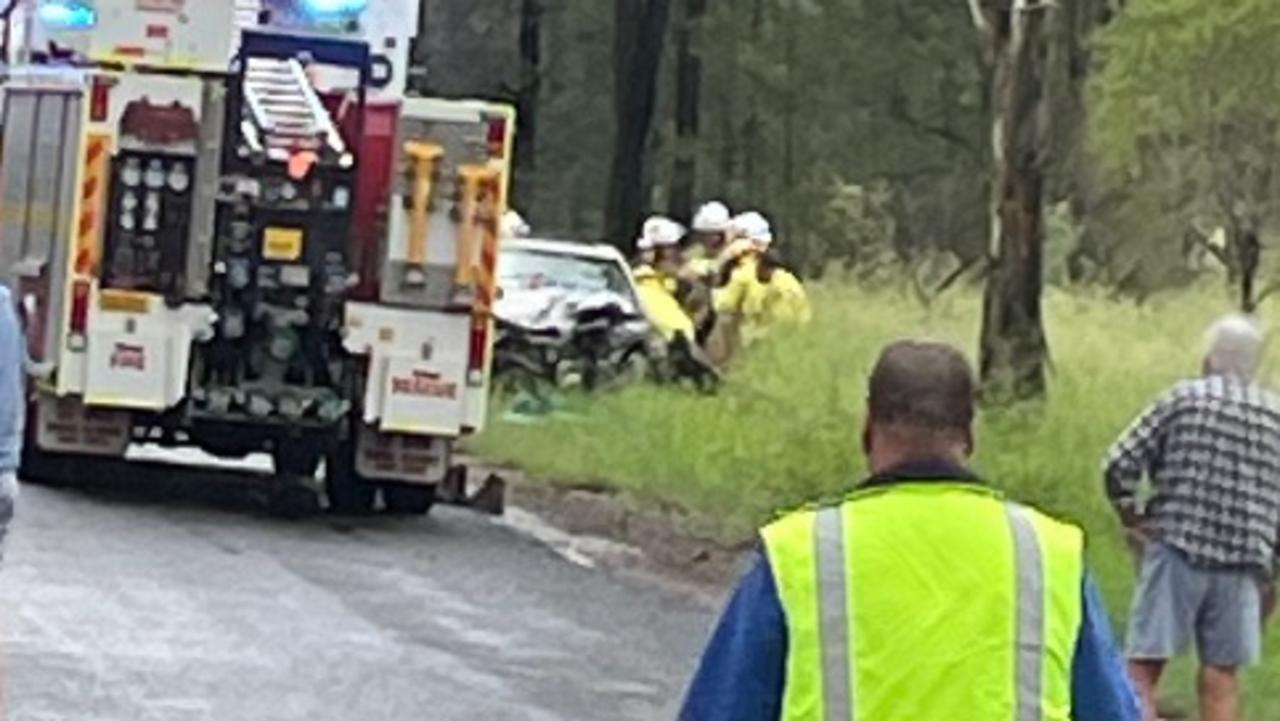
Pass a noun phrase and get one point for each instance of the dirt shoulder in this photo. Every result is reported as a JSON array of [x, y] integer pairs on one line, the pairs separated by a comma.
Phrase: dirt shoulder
[[625, 534]]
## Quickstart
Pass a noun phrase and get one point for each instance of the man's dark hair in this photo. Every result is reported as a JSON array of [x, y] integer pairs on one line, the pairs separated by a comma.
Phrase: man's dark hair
[[922, 384]]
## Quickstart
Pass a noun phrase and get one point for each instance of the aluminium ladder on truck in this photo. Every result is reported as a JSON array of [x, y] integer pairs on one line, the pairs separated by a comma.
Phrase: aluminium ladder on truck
[[286, 110]]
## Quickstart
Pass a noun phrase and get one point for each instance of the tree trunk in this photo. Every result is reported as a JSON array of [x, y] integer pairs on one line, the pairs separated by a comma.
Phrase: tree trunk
[[527, 95], [639, 38], [790, 40], [1246, 255], [1014, 349], [684, 173], [753, 127]]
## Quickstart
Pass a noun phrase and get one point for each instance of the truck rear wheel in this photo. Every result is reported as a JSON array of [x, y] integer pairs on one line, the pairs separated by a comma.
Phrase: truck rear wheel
[[296, 457], [349, 494], [38, 466], [293, 493], [291, 500], [407, 500]]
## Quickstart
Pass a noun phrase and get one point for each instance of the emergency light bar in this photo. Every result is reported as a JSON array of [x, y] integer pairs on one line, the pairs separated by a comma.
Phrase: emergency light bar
[[68, 14], [331, 8]]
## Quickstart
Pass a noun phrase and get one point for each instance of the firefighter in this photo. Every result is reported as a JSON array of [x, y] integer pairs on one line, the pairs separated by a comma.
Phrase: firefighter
[[780, 297], [708, 237], [750, 235], [656, 281], [513, 225], [646, 245]]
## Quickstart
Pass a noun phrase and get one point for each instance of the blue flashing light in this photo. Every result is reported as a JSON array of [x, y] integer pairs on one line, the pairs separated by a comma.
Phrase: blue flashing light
[[335, 8], [68, 14]]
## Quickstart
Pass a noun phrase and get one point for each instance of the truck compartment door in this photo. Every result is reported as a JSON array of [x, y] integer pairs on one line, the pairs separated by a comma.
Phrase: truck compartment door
[[418, 362], [139, 350], [41, 149], [424, 397]]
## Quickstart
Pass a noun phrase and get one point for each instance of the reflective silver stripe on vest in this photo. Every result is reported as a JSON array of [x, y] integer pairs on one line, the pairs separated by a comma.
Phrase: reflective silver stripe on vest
[[1030, 629], [833, 597]]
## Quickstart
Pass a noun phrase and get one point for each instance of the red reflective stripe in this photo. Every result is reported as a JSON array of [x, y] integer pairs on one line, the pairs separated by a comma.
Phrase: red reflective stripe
[[96, 149]]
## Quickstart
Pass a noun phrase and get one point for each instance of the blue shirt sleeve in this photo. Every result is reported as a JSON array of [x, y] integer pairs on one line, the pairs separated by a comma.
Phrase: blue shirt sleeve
[[13, 362], [743, 670], [1099, 685]]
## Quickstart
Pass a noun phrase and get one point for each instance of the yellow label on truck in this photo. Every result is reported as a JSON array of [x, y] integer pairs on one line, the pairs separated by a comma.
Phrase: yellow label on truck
[[124, 301], [282, 244]]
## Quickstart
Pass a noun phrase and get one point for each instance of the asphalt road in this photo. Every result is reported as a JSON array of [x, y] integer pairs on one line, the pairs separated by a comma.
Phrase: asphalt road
[[161, 594]]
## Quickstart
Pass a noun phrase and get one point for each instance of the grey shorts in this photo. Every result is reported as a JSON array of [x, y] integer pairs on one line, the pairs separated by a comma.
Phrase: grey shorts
[[1177, 603]]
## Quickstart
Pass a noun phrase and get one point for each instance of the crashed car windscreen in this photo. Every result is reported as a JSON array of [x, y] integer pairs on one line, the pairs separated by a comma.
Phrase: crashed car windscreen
[[524, 270]]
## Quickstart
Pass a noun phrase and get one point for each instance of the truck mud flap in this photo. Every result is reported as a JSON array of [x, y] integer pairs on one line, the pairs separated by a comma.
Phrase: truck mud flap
[[490, 497], [65, 425], [403, 458]]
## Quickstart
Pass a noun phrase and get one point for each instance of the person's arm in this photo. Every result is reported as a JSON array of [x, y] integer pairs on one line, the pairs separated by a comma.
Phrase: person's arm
[[803, 312], [1100, 688], [13, 364], [729, 297], [1132, 456], [742, 672]]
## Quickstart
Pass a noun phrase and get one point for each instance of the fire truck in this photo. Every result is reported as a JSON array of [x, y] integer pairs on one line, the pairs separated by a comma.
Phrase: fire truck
[[229, 228]]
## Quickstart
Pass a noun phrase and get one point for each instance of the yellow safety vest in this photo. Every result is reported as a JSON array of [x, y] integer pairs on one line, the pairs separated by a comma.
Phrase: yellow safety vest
[[734, 296], [782, 300], [928, 601], [659, 303]]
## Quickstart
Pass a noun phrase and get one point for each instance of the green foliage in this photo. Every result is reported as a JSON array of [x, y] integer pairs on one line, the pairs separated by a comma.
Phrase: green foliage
[[1183, 124], [856, 228], [786, 429], [803, 97], [1192, 72], [797, 96]]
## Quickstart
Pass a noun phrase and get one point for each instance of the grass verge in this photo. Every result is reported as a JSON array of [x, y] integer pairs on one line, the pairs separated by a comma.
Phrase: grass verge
[[786, 428]]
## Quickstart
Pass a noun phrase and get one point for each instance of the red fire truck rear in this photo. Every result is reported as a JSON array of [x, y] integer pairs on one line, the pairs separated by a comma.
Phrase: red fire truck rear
[[229, 228]]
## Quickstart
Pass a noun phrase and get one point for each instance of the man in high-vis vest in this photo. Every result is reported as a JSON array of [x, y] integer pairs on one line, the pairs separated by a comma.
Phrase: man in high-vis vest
[[924, 596]]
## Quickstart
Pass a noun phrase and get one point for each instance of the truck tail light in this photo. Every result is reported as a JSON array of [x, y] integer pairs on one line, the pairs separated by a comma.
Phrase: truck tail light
[[497, 138], [32, 313], [99, 100], [479, 351], [79, 314]]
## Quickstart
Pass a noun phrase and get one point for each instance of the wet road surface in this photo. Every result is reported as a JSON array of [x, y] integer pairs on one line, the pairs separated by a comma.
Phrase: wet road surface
[[179, 599]]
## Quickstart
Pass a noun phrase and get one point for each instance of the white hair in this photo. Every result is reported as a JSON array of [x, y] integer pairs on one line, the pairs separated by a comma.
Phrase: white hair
[[1234, 346]]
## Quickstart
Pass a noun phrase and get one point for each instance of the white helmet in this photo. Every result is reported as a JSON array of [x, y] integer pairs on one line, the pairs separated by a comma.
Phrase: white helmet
[[753, 227], [712, 217], [660, 232], [513, 225]]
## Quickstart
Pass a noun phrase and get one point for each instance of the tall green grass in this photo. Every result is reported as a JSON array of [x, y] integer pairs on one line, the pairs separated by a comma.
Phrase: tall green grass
[[785, 430]]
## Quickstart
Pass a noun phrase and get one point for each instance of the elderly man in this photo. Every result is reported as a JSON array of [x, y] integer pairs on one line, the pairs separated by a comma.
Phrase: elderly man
[[1208, 533], [13, 358], [924, 595]]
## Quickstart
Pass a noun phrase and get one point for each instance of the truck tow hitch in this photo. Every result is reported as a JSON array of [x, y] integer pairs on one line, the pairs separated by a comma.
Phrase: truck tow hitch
[[489, 498]]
